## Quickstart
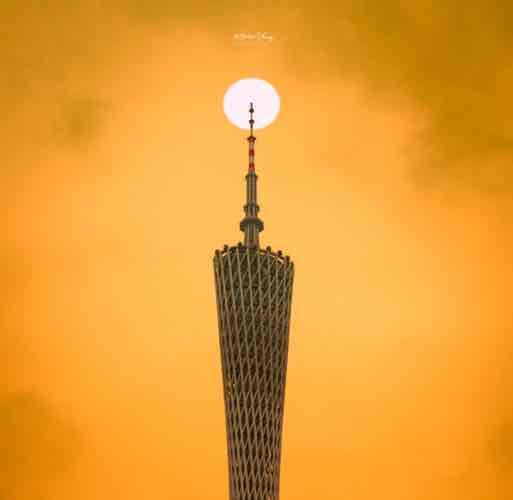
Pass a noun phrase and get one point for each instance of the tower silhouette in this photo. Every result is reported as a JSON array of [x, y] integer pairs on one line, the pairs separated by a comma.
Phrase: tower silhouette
[[253, 292]]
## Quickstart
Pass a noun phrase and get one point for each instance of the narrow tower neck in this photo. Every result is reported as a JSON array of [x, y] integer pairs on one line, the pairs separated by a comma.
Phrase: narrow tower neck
[[251, 225]]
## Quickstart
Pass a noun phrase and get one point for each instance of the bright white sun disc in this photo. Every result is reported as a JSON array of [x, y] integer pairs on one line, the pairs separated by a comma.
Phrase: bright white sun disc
[[262, 94]]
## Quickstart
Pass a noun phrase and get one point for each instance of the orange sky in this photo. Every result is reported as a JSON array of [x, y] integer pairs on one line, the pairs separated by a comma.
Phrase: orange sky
[[121, 178]]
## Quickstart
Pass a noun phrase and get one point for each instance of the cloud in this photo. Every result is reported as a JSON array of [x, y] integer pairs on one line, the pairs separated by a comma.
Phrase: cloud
[[501, 447], [78, 119], [37, 443], [453, 60]]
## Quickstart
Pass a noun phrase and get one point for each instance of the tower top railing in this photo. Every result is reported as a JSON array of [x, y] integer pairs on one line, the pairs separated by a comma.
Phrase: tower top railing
[[262, 251]]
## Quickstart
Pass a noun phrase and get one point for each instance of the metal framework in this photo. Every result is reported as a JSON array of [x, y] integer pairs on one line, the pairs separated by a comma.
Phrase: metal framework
[[254, 293]]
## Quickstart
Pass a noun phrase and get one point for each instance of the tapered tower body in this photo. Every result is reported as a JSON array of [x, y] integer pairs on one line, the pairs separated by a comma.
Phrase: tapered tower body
[[254, 292]]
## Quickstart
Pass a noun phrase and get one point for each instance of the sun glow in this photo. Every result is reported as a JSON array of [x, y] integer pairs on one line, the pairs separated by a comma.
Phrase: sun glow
[[263, 96]]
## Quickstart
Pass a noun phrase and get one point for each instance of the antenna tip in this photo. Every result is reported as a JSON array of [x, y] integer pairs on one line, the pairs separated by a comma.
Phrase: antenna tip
[[251, 121]]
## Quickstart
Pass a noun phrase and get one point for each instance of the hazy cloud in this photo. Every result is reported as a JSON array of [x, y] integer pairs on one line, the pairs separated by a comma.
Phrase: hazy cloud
[[501, 447], [78, 119], [453, 60], [37, 443]]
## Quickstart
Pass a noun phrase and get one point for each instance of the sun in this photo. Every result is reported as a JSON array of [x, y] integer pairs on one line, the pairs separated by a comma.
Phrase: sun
[[262, 94]]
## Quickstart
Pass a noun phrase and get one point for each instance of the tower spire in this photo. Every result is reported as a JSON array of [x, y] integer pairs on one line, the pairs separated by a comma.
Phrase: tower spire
[[251, 225]]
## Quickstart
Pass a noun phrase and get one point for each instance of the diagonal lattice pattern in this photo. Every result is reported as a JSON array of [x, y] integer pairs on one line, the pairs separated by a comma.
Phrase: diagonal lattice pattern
[[254, 291]]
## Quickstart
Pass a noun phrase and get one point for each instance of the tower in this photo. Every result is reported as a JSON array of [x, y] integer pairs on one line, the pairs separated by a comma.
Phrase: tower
[[253, 292]]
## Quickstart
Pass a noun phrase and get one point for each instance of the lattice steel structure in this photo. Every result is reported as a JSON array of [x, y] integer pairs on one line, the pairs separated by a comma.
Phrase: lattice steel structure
[[254, 292]]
